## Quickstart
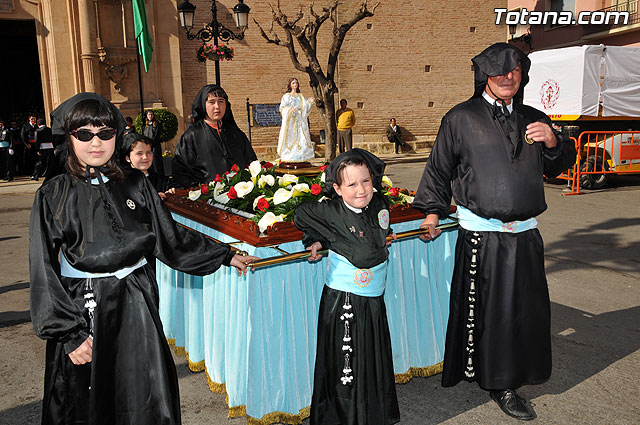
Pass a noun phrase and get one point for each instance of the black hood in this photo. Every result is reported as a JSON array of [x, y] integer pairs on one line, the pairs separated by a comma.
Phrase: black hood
[[199, 106], [376, 167], [499, 59]]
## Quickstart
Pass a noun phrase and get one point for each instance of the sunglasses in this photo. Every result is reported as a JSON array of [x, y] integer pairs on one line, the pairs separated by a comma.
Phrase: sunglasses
[[86, 135]]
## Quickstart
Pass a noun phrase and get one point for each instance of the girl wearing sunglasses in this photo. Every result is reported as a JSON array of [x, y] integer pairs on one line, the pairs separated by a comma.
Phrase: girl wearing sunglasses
[[94, 298]]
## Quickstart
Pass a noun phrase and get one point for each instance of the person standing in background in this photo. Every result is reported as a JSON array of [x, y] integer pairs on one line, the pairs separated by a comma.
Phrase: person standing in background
[[43, 148], [151, 128], [346, 119], [28, 140]]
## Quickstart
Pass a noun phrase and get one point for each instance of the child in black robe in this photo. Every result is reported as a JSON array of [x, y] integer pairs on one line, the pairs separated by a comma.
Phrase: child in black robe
[[94, 298], [354, 378], [137, 151]]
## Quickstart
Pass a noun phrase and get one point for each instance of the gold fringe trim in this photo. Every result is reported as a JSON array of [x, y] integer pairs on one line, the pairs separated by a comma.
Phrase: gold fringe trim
[[214, 386], [281, 417], [422, 372], [194, 366]]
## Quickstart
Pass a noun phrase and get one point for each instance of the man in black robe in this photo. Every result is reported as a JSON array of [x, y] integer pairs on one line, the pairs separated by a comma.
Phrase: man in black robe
[[491, 152], [212, 144]]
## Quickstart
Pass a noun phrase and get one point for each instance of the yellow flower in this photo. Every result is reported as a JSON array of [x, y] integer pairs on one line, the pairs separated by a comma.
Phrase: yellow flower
[[387, 181]]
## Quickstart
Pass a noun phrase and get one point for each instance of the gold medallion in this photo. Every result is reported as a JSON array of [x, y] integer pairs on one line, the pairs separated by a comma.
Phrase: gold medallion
[[528, 139]]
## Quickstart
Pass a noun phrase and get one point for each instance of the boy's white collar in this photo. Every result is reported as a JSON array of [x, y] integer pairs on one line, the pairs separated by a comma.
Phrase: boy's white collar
[[354, 209]]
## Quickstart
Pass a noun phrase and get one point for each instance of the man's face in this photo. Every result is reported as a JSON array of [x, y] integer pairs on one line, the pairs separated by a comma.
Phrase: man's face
[[505, 86], [343, 104], [393, 122], [32, 120]]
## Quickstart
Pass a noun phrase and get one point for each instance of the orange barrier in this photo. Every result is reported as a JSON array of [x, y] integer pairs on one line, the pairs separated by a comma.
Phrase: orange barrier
[[571, 173]]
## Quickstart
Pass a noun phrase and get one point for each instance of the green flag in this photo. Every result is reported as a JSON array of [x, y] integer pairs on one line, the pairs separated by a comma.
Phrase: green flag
[[145, 47]]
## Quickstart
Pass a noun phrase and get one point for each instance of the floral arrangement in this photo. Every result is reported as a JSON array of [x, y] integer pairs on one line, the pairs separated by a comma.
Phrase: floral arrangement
[[214, 52], [266, 198], [167, 154]]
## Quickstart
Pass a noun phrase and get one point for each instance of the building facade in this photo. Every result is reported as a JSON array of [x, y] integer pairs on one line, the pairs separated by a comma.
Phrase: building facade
[[411, 60]]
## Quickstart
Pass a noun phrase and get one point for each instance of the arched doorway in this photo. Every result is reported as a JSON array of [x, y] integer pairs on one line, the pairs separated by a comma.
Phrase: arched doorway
[[21, 83]]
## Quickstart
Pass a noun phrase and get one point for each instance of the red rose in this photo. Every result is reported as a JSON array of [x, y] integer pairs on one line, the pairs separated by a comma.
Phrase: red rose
[[218, 178], [262, 204], [232, 193], [267, 165], [235, 167], [226, 172], [324, 167], [394, 191], [316, 189], [204, 189]]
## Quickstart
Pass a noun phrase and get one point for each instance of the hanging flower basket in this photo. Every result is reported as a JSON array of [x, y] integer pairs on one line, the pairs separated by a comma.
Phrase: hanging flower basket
[[214, 52]]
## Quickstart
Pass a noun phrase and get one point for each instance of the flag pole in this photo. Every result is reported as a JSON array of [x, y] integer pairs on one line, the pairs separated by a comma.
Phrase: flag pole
[[140, 83]]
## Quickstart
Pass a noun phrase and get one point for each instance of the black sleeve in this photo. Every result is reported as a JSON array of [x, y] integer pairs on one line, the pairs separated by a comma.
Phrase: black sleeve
[[184, 176], [180, 248], [560, 157], [311, 218], [434, 191], [53, 313]]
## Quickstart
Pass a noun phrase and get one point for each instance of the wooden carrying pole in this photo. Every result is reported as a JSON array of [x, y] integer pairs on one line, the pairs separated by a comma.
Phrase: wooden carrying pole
[[304, 254]]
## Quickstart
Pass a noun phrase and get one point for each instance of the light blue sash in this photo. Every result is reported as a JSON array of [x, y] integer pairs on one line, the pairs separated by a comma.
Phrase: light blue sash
[[67, 270], [344, 276], [4, 144], [470, 221]]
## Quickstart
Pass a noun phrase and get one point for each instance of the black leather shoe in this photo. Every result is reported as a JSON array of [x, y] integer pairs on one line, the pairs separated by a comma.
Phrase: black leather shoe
[[513, 405]]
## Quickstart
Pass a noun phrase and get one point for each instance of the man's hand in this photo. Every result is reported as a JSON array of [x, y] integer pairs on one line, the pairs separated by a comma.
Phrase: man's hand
[[394, 237], [430, 223], [83, 353], [542, 132], [314, 251], [240, 262]]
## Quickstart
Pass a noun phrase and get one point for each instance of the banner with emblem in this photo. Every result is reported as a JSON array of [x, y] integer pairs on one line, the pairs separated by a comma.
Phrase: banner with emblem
[[565, 81]]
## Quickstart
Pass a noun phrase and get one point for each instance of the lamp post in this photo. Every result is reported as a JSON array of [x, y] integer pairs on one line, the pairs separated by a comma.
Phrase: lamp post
[[214, 30], [525, 38]]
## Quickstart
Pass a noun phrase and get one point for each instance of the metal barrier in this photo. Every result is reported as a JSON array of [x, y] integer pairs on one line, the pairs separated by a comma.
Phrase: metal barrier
[[570, 174], [601, 153]]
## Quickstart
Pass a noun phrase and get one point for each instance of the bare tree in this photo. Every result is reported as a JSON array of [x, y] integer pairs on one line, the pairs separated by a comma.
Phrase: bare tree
[[322, 82]]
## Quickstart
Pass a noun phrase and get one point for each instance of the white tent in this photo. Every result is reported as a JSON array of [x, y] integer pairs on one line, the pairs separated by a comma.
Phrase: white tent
[[576, 81]]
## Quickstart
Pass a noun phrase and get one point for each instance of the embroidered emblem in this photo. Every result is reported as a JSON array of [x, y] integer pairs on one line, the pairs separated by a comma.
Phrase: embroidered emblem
[[383, 218], [362, 277], [352, 229], [131, 204], [549, 93], [509, 227]]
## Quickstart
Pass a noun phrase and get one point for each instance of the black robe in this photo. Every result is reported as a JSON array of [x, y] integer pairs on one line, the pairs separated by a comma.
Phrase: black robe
[[482, 159], [131, 378], [371, 399], [202, 153]]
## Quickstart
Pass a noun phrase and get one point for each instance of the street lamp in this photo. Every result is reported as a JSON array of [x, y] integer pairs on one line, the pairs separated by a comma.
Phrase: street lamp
[[214, 30], [525, 38]]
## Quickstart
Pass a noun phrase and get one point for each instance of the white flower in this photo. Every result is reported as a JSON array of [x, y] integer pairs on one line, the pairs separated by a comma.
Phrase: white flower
[[194, 194], [255, 168], [387, 181], [281, 196], [407, 198], [287, 179], [220, 197], [300, 188], [243, 188], [255, 201], [266, 179], [268, 219], [322, 178], [230, 175]]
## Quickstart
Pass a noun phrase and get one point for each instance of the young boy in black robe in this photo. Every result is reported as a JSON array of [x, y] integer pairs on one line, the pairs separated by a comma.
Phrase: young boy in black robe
[[94, 297], [354, 378]]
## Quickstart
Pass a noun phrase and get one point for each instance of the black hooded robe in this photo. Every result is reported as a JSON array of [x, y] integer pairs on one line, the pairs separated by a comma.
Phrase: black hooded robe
[[202, 152], [499, 330], [103, 228], [371, 399]]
